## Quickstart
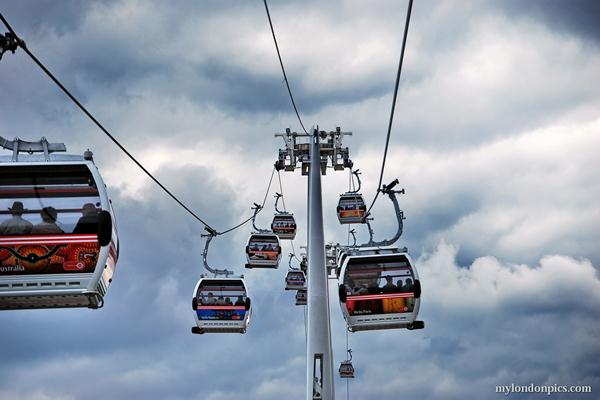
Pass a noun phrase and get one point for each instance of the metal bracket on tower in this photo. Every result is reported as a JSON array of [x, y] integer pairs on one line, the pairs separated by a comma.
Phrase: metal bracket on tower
[[295, 152], [21, 146]]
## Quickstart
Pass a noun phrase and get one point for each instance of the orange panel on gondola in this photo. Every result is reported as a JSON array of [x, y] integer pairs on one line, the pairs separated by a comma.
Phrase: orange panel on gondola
[[22, 255]]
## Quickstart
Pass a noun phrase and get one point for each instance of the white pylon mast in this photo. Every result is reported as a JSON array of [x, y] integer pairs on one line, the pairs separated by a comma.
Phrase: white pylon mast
[[314, 158]]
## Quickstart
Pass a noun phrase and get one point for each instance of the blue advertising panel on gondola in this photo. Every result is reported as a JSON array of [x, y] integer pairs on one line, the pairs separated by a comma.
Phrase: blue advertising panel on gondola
[[224, 313]]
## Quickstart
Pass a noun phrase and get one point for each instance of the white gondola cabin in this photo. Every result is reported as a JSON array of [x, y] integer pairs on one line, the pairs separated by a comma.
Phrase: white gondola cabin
[[263, 251], [351, 208], [295, 280], [346, 369], [301, 297], [58, 238], [379, 289], [284, 226], [221, 305]]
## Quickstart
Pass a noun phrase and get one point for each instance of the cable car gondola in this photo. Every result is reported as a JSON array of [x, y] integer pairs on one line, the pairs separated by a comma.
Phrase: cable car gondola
[[295, 280], [58, 239], [301, 297], [263, 251], [379, 289], [284, 226], [351, 208], [221, 305], [346, 369]]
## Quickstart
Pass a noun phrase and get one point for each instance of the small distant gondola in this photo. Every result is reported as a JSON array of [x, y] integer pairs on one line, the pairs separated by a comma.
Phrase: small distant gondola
[[351, 209], [263, 251], [295, 280], [301, 297], [221, 305], [346, 369], [379, 289], [284, 226], [58, 237]]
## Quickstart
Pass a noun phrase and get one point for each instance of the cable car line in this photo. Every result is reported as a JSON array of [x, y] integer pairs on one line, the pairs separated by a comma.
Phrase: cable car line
[[12, 38], [98, 124], [285, 210], [253, 215], [387, 140], [283, 69]]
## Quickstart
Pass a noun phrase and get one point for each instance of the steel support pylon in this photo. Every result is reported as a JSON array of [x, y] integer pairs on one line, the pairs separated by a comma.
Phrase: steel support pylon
[[319, 357]]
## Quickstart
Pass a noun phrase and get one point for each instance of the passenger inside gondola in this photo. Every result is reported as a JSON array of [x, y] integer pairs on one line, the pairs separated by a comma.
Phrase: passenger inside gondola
[[263, 250], [48, 224], [389, 287], [16, 224], [365, 296], [88, 223], [214, 301]]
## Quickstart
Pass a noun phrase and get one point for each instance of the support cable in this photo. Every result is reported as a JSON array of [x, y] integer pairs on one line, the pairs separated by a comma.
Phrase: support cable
[[387, 141], [283, 69], [285, 210], [21, 43], [258, 211], [98, 124]]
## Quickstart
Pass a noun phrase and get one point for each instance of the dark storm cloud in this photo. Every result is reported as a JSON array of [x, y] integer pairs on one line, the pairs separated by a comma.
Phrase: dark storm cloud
[[579, 17], [36, 17], [93, 59]]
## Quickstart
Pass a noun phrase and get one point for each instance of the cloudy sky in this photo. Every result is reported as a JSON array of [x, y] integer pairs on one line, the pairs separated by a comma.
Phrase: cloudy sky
[[495, 142]]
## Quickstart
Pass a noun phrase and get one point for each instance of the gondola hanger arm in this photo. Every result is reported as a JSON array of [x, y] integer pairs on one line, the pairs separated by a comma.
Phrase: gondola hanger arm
[[391, 193]]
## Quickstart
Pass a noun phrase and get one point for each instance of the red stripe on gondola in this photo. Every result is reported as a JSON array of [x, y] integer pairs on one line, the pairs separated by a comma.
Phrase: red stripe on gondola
[[381, 296], [42, 239], [221, 308]]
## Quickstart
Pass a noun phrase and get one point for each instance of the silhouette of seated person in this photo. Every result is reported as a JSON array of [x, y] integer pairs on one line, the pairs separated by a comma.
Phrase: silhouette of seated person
[[16, 225], [48, 224], [399, 285], [211, 300], [389, 287], [360, 289], [88, 223], [228, 301], [221, 301], [408, 286], [240, 301], [374, 287]]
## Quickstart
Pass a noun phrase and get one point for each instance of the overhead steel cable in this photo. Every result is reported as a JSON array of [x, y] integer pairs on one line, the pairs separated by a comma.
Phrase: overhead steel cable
[[287, 83], [387, 140], [259, 210], [22, 44], [285, 210]]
